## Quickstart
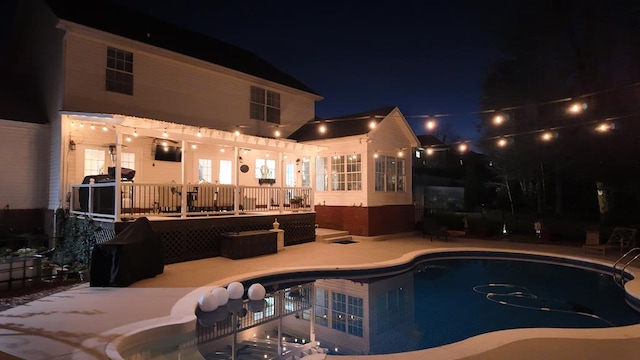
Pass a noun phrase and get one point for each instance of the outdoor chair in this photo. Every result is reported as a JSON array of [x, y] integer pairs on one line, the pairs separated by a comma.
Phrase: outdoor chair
[[620, 239]]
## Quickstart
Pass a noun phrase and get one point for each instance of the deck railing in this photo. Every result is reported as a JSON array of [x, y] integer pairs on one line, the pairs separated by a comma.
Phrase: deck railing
[[137, 200]]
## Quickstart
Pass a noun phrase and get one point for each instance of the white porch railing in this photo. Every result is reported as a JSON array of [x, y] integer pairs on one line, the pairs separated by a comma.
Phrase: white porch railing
[[137, 200]]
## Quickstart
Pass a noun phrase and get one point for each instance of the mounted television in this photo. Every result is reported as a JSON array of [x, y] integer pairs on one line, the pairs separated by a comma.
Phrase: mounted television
[[168, 153]]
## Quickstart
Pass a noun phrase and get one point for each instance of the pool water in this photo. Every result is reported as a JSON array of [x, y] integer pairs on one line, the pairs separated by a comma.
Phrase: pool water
[[468, 297], [434, 302]]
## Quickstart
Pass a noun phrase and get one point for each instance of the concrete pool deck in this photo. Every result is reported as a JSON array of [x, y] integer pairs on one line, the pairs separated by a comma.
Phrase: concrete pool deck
[[82, 322]]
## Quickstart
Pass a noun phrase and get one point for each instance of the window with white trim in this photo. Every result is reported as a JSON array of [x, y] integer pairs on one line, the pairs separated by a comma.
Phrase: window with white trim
[[265, 169], [204, 170], [338, 173], [226, 176], [128, 160], [390, 174], [119, 71], [306, 172], [322, 178], [265, 105], [354, 172], [94, 162]]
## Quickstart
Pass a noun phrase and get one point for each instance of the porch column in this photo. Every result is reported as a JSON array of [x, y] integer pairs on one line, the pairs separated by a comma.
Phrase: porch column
[[183, 188], [312, 181], [118, 178], [236, 177]]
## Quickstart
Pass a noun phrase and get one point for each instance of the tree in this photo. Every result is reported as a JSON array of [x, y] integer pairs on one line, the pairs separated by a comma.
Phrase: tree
[[557, 50]]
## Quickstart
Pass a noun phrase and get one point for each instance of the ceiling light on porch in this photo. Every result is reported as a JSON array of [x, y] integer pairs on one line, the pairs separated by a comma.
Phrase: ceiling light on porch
[[199, 134], [104, 128], [277, 133], [93, 127], [128, 138], [81, 125], [222, 150], [165, 144], [400, 153], [375, 154], [194, 146], [164, 134], [135, 133]]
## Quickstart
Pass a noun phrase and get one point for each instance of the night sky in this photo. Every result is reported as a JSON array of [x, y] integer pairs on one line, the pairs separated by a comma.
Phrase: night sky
[[425, 57]]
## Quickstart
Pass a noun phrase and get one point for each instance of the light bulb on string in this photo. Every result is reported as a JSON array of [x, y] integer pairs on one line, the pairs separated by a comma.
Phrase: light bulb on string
[[199, 134], [430, 124], [135, 133], [577, 107], [463, 147], [322, 129], [429, 151], [548, 135], [372, 124], [277, 133], [164, 133], [502, 142], [499, 119], [605, 127]]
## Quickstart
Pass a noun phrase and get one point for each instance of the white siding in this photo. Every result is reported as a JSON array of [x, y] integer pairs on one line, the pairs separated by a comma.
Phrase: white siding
[[172, 87], [24, 159]]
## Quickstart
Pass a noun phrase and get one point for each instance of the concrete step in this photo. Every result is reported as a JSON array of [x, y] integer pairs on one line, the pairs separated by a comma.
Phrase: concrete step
[[324, 234], [336, 239]]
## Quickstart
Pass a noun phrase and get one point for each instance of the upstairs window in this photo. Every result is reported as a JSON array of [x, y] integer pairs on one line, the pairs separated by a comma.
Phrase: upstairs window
[[265, 105], [119, 77]]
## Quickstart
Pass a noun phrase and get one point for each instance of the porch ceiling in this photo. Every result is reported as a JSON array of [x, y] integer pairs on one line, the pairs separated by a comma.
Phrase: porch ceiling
[[127, 125]]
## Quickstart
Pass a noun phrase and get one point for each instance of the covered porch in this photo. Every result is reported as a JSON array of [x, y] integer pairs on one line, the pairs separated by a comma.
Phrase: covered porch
[[179, 171]]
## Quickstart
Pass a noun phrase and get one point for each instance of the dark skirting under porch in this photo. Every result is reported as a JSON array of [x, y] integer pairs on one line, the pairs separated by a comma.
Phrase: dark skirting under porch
[[196, 238]]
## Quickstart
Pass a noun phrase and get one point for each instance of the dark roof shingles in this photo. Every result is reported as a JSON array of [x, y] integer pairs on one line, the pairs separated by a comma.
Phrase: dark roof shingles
[[347, 125]]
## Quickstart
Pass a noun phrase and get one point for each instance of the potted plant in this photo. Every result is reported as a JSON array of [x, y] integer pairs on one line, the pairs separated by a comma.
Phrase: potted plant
[[295, 202]]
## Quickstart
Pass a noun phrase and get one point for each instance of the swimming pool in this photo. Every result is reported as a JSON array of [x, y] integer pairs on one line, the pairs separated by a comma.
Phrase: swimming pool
[[436, 299]]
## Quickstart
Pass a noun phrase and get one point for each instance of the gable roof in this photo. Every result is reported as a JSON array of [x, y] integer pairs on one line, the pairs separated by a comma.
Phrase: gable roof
[[347, 125], [119, 20]]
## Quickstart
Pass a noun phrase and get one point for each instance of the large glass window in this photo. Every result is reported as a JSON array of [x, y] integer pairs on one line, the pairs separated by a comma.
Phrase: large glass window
[[337, 173], [355, 316], [128, 160], [322, 176], [119, 72], [94, 162], [204, 170], [322, 307], [339, 311], [226, 176], [265, 169], [306, 172], [265, 105], [354, 172], [390, 174]]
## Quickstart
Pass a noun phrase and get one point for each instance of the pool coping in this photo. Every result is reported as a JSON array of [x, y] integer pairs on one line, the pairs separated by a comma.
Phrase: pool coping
[[182, 316]]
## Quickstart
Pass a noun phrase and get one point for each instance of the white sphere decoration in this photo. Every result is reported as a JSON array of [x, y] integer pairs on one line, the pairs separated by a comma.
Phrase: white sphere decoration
[[235, 290], [221, 295], [256, 292], [208, 302]]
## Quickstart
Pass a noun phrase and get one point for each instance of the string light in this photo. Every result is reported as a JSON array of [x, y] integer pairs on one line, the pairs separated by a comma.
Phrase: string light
[[164, 134], [277, 133], [128, 138], [502, 142], [322, 128], [135, 133], [372, 124], [93, 127], [463, 147], [104, 128], [430, 125], [429, 151], [199, 134], [236, 132]]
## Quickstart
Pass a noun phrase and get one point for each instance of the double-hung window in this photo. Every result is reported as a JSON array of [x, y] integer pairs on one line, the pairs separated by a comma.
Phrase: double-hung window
[[337, 173], [390, 174], [265, 105], [119, 72]]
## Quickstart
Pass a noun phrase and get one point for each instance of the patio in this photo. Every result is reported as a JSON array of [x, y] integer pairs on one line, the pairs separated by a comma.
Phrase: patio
[[78, 324]]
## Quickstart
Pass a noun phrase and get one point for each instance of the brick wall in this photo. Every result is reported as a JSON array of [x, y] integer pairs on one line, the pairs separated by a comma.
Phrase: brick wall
[[367, 221]]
